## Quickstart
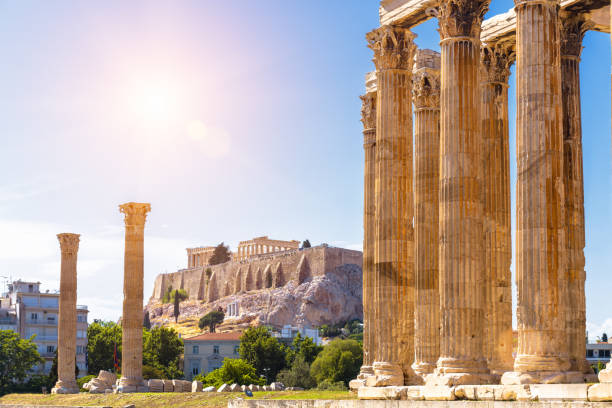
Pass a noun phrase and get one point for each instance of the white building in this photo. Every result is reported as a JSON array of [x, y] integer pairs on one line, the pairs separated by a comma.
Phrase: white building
[[288, 332], [206, 352], [29, 312], [598, 352]]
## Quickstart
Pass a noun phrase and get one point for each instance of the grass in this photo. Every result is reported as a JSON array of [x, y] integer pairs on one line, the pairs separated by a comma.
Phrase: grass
[[159, 400]]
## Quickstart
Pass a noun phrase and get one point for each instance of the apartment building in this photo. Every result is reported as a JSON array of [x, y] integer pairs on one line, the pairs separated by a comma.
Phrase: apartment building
[[30, 312]]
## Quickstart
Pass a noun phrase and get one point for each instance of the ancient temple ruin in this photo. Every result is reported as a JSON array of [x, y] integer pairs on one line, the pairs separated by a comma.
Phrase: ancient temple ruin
[[437, 233]]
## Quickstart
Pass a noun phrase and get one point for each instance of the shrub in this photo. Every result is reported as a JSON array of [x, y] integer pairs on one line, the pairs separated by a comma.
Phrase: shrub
[[233, 370], [81, 381], [327, 385], [298, 375], [340, 360]]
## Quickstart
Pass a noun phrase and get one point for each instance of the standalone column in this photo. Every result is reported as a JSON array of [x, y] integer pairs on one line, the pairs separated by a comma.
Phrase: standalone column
[[573, 28], [368, 118], [426, 97], [539, 196], [495, 71], [66, 334], [131, 357], [461, 236], [394, 245]]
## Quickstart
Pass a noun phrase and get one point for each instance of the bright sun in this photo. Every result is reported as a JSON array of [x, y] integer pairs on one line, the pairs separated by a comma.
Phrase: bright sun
[[154, 101]]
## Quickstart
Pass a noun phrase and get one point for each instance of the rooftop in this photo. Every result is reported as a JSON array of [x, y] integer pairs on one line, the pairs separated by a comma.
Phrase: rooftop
[[228, 336]]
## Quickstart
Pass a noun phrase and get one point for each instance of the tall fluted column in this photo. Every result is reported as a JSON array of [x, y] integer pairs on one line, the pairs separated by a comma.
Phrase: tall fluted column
[[131, 358], [462, 359], [394, 246], [573, 28], [540, 242], [426, 98], [368, 118], [66, 334], [495, 71]]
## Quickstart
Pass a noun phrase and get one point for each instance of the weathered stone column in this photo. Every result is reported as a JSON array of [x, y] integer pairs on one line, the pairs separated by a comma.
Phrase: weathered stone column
[[131, 358], [540, 242], [368, 118], [394, 245], [573, 28], [462, 359], [495, 71], [66, 333], [426, 98]]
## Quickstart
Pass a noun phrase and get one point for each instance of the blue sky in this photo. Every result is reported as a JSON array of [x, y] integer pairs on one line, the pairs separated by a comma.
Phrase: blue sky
[[234, 119]]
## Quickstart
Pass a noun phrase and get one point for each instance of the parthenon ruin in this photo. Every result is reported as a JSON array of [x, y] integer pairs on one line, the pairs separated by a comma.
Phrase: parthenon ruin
[[263, 245], [437, 232]]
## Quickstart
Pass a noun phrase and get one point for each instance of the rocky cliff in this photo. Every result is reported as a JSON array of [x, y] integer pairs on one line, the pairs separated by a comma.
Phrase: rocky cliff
[[311, 287]]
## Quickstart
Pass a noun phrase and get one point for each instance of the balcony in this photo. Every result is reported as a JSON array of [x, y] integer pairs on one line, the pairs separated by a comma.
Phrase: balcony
[[5, 320], [45, 338], [41, 322]]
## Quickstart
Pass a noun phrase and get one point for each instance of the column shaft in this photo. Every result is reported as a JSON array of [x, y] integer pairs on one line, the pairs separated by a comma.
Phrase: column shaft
[[573, 29], [540, 194], [426, 97], [66, 333], [394, 245], [131, 358], [495, 71], [462, 358]]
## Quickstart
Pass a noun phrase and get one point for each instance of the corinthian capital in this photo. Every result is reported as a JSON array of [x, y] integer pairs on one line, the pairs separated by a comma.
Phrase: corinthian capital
[[426, 88], [69, 243], [368, 110], [393, 47], [135, 213], [573, 28], [497, 58], [461, 18]]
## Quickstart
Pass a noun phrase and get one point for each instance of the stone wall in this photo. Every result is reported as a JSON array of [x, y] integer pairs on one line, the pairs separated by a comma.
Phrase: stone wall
[[241, 276]]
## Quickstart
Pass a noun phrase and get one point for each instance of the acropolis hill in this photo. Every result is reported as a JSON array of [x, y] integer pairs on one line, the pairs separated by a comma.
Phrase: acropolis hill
[[261, 285]]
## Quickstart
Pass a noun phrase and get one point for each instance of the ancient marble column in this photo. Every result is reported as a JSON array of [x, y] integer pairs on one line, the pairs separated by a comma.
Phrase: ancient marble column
[[495, 71], [540, 243], [426, 98], [462, 359], [573, 28], [394, 241], [131, 357], [66, 333], [368, 118]]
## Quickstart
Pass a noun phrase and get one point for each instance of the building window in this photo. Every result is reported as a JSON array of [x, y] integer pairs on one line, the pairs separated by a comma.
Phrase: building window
[[195, 371], [81, 334], [81, 318], [80, 350], [236, 348], [50, 349], [34, 316], [216, 349], [589, 353], [51, 319], [196, 349], [606, 353], [30, 288]]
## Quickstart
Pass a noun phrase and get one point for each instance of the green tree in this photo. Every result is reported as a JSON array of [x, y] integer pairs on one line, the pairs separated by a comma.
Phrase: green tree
[[17, 357], [146, 321], [162, 349], [298, 375], [233, 370], [220, 255], [262, 351], [211, 320], [304, 347], [306, 244], [101, 340], [604, 337], [170, 295], [177, 306], [340, 360]]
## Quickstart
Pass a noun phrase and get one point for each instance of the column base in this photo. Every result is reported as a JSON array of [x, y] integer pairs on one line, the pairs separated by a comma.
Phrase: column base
[[533, 377], [65, 387], [453, 371], [365, 372], [423, 368], [385, 374], [131, 385]]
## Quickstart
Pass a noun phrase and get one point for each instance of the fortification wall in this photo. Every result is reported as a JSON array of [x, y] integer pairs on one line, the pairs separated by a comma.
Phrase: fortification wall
[[259, 272]]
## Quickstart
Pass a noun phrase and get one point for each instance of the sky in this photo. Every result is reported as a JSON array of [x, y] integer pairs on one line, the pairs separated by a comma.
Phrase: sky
[[233, 119]]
